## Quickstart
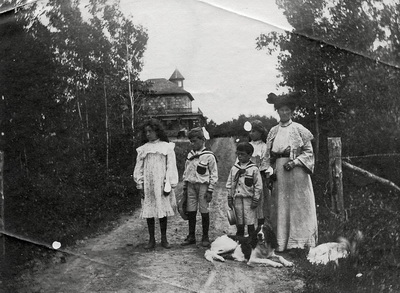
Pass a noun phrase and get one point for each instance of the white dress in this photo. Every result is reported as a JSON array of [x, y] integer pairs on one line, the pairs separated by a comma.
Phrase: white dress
[[294, 215], [259, 158], [156, 165]]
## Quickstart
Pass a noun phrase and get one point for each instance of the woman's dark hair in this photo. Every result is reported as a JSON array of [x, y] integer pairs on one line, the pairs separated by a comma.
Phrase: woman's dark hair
[[157, 127], [291, 106], [291, 100]]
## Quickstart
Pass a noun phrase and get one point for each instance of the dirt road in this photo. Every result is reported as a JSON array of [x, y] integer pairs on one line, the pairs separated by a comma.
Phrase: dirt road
[[117, 262]]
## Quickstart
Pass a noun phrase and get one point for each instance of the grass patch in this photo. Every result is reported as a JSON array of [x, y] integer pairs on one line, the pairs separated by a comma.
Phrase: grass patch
[[372, 209]]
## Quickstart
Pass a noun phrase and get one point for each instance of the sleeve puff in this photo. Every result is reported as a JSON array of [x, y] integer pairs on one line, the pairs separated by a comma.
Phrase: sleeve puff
[[264, 164], [271, 135], [213, 169], [229, 184], [306, 157], [172, 170], [138, 176], [258, 185], [305, 153]]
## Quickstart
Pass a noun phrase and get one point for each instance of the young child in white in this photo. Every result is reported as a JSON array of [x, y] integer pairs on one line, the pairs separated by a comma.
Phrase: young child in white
[[199, 179], [156, 171], [258, 136], [244, 189]]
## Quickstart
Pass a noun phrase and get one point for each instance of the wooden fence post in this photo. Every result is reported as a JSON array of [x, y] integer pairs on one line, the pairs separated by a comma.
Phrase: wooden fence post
[[336, 175], [2, 238]]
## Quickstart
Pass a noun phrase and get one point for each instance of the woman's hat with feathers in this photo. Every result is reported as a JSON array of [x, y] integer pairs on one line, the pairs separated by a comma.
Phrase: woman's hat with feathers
[[291, 100]]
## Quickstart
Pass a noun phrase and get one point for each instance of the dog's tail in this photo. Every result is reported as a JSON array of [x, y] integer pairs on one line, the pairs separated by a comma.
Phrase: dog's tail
[[353, 243], [211, 255]]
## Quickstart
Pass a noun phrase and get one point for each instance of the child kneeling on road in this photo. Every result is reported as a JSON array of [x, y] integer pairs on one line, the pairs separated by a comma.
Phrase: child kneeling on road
[[199, 179], [244, 189]]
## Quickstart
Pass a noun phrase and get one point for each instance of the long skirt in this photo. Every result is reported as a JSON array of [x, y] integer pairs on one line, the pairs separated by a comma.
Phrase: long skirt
[[294, 217], [264, 204]]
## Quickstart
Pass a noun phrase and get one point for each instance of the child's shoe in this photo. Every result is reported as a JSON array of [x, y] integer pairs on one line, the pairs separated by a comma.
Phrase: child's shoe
[[205, 241], [188, 241], [165, 243], [151, 244]]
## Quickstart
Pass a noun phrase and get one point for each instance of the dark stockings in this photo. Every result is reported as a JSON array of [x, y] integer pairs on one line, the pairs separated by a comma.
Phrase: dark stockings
[[151, 227], [240, 230], [205, 222], [163, 228], [192, 224], [250, 229]]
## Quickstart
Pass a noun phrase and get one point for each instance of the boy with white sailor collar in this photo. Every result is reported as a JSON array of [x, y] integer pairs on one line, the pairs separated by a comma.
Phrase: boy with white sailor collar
[[199, 179], [244, 189]]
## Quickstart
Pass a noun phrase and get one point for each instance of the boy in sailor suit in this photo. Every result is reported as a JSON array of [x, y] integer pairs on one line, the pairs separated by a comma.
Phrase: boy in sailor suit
[[244, 189], [199, 179]]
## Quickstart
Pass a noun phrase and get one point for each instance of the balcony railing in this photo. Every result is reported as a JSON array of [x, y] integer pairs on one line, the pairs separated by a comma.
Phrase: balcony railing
[[174, 111]]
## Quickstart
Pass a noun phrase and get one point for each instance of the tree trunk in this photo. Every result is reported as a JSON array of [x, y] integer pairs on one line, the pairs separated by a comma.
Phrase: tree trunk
[[317, 115], [128, 67], [2, 222], [336, 175], [107, 130], [78, 105]]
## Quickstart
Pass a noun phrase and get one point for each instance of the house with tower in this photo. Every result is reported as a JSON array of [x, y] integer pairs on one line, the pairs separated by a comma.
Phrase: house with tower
[[170, 103]]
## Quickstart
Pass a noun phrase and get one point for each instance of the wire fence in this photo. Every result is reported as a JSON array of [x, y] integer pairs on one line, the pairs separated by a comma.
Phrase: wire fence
[[371, 156]]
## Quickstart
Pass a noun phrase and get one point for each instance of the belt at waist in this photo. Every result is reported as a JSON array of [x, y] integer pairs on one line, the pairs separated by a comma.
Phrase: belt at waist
[[277, 156]]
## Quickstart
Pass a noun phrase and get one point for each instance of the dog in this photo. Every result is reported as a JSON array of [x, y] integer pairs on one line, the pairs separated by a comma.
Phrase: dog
[[333, 251], [256, 249]]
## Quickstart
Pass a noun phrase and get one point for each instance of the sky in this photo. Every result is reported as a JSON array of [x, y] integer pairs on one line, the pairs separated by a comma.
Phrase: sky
[[213, 45]]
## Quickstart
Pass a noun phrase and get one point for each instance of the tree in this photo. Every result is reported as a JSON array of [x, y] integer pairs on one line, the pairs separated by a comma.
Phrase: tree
[[93, 55], [64, 101], [32, 110], [235, 127], [331, 54]]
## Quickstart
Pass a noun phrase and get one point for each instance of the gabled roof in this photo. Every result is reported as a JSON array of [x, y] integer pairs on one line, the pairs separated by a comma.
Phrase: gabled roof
[[161, 86], [176, 75]]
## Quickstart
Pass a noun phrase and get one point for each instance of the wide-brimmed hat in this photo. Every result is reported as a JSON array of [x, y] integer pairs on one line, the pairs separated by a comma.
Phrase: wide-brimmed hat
[[291, 100], [182, 207], [231, 217]]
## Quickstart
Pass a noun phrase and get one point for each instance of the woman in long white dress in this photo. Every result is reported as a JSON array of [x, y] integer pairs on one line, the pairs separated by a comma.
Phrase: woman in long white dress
[[290, 154], [156, 175]]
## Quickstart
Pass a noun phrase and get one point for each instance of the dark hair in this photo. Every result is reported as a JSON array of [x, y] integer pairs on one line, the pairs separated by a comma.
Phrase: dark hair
[[291, 106], [196, 132], [157, 127], [245, 147], [258, 126], [291, 100]]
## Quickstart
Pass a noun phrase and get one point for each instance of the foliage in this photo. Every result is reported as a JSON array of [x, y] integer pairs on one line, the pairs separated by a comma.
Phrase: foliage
[[333, 55], [66, 81], [235, 128], [374, 211], [345, 55]]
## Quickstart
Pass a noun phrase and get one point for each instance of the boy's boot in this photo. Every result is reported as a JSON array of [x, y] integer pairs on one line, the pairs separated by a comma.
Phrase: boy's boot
[[191, 238], [152, 240], [163, 227], [205, 221], [240, 230]]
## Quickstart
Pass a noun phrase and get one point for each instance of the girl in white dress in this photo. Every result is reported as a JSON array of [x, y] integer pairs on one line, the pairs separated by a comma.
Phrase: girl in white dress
[[258, 136], [156, 175]]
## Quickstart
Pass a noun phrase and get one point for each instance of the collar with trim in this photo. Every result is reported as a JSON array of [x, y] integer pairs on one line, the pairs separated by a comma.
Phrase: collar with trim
[[285, 124]]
